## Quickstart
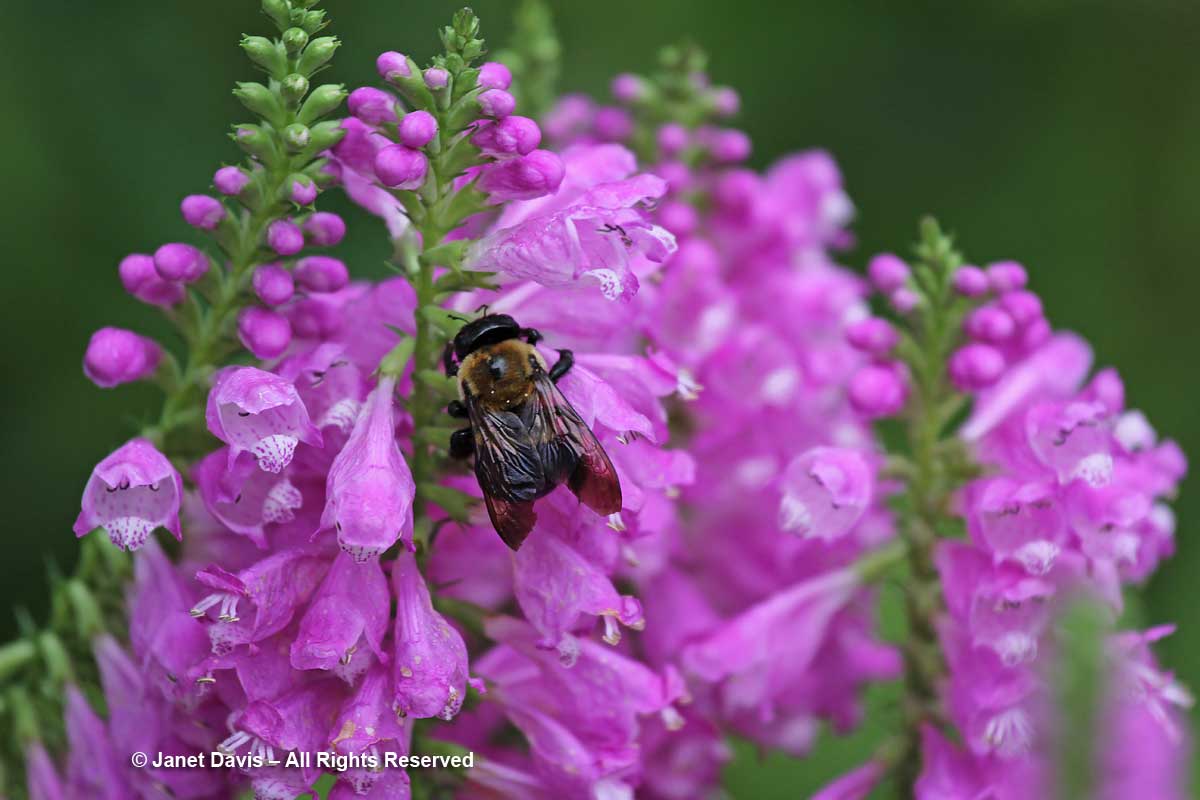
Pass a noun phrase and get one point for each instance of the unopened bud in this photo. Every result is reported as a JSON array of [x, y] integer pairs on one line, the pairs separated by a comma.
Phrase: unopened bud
[[264, 333], [294, 40], [318, 52], [326, 134], [255, 141], [324, 99], [180, 262], [390, 63], [293, 88], [302, 190], [297, 136], [260, 100], [266, 53]]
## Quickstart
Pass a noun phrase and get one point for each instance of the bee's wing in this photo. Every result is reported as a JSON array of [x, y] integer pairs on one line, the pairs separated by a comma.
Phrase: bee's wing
[[509, 471], [513, 521], [569, 450]]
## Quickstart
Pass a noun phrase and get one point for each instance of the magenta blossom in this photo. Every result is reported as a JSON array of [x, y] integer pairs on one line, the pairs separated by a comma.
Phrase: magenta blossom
[[592, 240], [430, 661], [369, 491], [131, 492], [260, 413]]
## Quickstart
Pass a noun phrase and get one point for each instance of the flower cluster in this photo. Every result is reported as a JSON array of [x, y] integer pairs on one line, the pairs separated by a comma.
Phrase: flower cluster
[[1070, 506], [340, 588]]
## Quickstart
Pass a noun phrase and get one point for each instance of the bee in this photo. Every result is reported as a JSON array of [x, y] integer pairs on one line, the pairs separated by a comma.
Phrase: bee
[[525, 436]]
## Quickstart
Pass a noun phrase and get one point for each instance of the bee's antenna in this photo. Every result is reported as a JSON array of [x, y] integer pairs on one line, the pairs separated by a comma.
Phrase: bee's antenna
[[457, 317], [483, 308]]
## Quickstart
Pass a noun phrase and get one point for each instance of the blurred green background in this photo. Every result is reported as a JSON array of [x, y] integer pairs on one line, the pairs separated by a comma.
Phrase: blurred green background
[[1063, 134]]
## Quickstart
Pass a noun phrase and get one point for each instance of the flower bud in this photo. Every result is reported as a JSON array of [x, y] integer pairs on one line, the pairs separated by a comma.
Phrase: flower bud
[[436, 78], [496, 103], [303, 190], [613, 124], [873, 335], [725, 101], [260, 100], [975, 367], [141, 279], [628, 88], [323, 100], [678, 217], [888, 272], [1023, 306], [230, 180], [322, 273], [285, 237], [877, 390], [255, 141], [494, 75], [970, 281], [392, 62], [202, 211], [534, 175], [401, 167], [180, 262], [263, 52], [989, 324], [293, 88], [273, 284], [325, 229], [318, 52], [903, 300], [294, 40], [297, 136], [729, 146], [672, 138], [417, 129], [373, 106], [326, 134], [264, 333], [1006, 276], [509, 136], [115, 356]]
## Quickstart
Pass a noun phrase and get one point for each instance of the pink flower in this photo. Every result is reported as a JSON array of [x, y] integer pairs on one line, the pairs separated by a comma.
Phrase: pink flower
[[369, 490], [825, 492], [260, 413], [592, 240], [130, 493], [430, 661], [349, 611]]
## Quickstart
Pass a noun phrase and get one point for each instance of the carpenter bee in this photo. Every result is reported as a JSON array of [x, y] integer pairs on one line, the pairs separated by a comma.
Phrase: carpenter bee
[[526, 437]]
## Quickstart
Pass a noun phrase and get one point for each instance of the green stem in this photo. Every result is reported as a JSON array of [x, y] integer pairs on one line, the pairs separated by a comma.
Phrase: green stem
[[929, 485]]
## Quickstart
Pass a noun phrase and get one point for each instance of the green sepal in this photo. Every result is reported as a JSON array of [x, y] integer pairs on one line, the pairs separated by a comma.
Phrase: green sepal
[[279, 11], [324, 135], [444, 385], [314, 21], [443, 320], [262, 101], [315, 56], [395, 362], [446, 254], [294, 40], [267, 54], [323, 100]]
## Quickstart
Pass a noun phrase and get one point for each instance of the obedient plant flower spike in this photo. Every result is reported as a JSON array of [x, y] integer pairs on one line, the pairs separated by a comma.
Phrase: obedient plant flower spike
[[285, 171]]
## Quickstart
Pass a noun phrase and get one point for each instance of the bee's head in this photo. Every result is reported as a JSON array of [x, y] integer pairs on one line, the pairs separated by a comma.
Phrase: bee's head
[[488, 329]]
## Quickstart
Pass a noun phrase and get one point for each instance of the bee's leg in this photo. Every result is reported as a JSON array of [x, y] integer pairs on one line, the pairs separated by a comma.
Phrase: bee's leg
[[532, 335], [566, 360], [462, 443], [448, 359], [457, 409]]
